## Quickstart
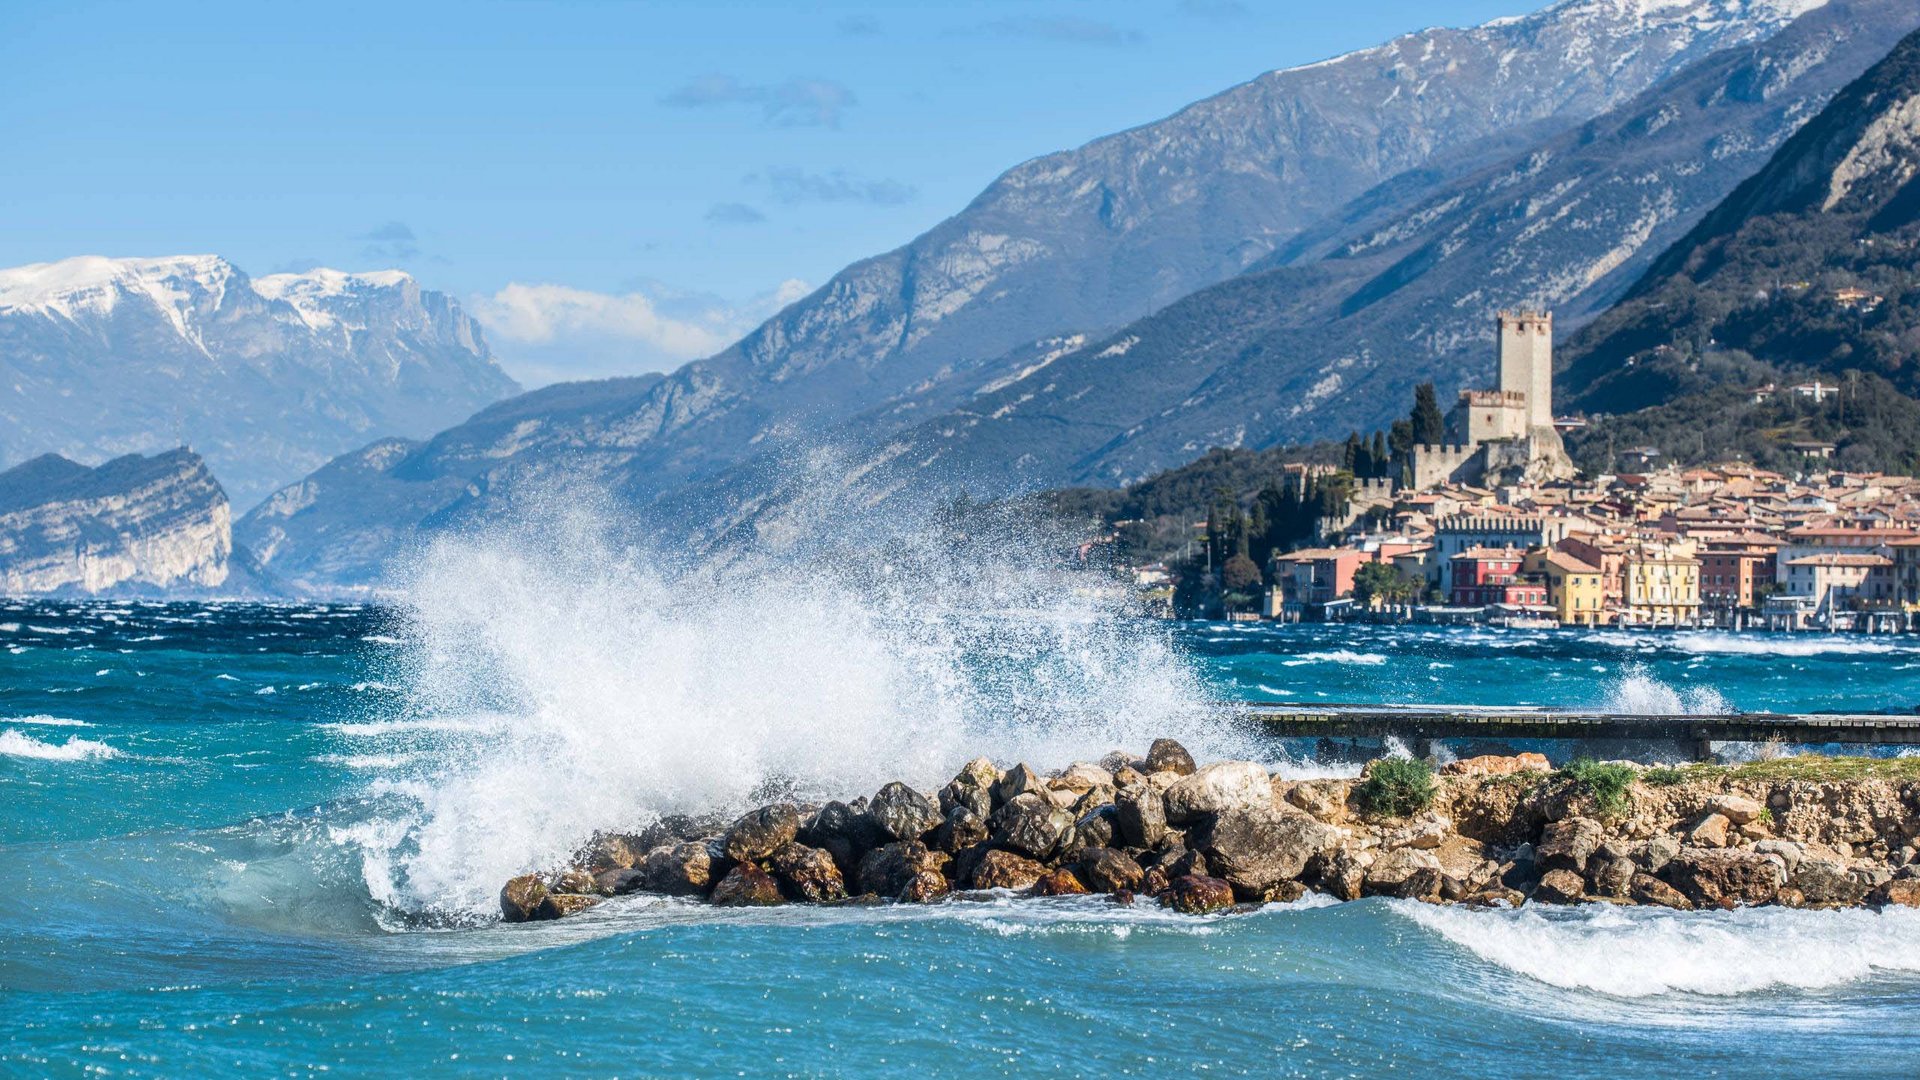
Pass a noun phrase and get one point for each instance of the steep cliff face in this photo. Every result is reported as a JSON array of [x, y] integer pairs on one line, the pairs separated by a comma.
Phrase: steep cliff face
[[270, 376], [132, 524]]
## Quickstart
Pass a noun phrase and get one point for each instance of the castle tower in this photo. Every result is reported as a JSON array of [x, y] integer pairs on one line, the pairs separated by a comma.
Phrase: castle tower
[[1526, 361]]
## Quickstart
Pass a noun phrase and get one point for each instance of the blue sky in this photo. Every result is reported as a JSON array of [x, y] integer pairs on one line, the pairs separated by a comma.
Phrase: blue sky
[[613, 187]]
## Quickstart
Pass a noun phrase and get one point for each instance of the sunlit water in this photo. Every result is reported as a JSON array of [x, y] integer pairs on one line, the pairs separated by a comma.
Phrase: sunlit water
[[259, 840]]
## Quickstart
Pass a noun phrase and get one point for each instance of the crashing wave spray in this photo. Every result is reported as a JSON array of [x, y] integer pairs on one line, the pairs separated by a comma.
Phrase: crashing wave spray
[[1638, 692], [562, 684]]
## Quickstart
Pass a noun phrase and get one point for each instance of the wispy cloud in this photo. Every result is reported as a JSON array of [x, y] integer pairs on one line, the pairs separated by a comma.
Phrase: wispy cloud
[[796, 102], [1063, 30], [789, 184], [1222, 10], [394, 240], [546, 332], [734, 213]]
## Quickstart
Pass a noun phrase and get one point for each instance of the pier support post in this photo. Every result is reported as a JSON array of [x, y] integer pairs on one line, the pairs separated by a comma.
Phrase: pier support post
[[1703, 749]]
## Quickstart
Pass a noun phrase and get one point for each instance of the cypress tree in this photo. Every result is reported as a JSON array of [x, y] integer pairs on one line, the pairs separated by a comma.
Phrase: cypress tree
[[1429, 427]]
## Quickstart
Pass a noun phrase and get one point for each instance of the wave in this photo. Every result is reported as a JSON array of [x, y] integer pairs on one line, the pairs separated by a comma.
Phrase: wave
[[18, 744], [1337, 656], [1642, 952], [44, 720], [1636, 691], [634, 688]]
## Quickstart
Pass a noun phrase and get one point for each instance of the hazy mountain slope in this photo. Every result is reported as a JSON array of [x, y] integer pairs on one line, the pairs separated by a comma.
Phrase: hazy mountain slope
[[134, 523], [267, 377], [1810, 264], [1313, 349]]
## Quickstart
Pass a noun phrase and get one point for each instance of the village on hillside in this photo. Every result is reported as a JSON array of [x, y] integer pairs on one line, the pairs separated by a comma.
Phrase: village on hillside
[[1492, 523]]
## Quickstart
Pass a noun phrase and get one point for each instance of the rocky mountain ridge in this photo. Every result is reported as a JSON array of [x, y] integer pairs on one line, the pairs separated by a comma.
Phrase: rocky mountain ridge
[[135, 524], [270, 376]]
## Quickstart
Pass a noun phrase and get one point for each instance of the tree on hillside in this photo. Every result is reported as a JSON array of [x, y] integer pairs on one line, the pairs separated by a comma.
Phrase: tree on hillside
[[1429, 426], [1377, 583]]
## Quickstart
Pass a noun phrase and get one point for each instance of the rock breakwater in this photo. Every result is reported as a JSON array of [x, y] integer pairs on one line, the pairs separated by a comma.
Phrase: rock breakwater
[[1799, 832]]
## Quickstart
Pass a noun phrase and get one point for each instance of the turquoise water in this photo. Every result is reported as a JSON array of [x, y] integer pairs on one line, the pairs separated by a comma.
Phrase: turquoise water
[[261, 840]]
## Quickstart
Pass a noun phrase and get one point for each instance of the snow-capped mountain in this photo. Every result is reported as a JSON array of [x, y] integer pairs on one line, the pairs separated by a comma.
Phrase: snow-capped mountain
[[267, 378]]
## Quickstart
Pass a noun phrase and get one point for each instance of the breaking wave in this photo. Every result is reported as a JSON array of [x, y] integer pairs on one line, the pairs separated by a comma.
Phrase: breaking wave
[[1640, 952], [14, 743], [632, 688], [1337, 656], [1637, 691]]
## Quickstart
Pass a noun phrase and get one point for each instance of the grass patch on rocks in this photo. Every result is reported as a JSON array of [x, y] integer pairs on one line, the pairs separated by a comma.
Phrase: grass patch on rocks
[[1817, 767], [1396, 787], [1607, 782]]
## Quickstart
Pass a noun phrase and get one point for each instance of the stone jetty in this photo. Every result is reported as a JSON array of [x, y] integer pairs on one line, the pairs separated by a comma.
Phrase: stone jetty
[[1490, 831]]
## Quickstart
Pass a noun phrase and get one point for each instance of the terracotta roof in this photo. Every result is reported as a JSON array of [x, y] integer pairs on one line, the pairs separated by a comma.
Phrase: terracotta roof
[[1841, 560]]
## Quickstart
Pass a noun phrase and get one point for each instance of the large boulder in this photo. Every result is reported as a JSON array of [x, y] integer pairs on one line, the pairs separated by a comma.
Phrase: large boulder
[[903, 813], [1567, 844], [972, 788], [1228, 785], [619, 882], [1497, 765], [1257, 847], [1016, 782], [1030, 825], [924, 887], [746, 885], [1724, 878], [1004, 870], [1709, 832], [1098, 827], [1324, 800], [1901, 892], [561, 905], [1141, 814], [887, 869], [1402, 872], [1737, 809], [1197, 895], [1059, 883], [844, 832], [1165, 755], [759, 833], [1610, 876], [1560, 886], [1650, 890], [1107, 871], [686, 869], [962, 829], [807, 873], [522, 897], [1826, 883], [612, 851]]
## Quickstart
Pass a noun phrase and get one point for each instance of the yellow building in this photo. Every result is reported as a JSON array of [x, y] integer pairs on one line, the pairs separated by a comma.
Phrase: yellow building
[[1662, 586], [1576, 591]]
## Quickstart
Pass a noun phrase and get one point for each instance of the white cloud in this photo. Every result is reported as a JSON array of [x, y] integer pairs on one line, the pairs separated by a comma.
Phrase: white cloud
[[545, 333]]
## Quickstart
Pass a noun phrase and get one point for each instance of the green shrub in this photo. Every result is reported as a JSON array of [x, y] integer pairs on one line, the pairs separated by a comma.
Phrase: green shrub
[[1396, 787], [1607, 783], [1664, 776]]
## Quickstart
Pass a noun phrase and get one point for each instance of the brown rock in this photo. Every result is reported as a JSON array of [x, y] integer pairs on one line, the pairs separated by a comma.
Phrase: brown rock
[[522, 897], [1141, 816], [1107, 870], [1098, 827], [1724, 878], [1197, 895], [961, 830], [1610, 876], [1709, 832], [1567, 844], [747, 886], [1126, 776], [1165, 755], [686, 869], [561, 905], [613, 851], [1326, 800], [618, 882], [1647, 889], [924, 887], [575, 881], [1390, 873], [1227, 785], [1256, 848], [758, 833], [1560, 887], [1497, 765], [1737, 809], [1286, 892], [902, 813], [1059, 883], [1029, 824], [1005, 870], [1904, 892], [972, 788], [807, 873], [842, 832], [887, 869], [1015, 782]]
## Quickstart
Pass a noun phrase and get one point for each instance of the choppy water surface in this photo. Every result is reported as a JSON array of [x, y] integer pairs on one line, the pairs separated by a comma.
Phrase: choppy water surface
[[248, 839]]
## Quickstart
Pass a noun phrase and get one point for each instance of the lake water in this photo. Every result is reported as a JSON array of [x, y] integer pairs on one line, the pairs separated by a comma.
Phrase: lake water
[[266, 840]]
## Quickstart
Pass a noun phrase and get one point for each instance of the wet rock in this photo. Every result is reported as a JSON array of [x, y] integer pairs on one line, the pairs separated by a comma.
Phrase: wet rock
[[759, 833], [1497, 765], [1344, 875], [618, 882], [613, 851], [1098, 827], [1030, 825], [1059, 883], [1004, 870], [1017, 781], [1325, 800], [1122, 897], [1656, 852], [1560, 886], [686, 869], [1083, 777], [1787, 851], [807, 873], [844, 832], [1106, 870], [1255, 848], [561, 905], [1141, 815], [1737, 809], [1285, 892], [1826, 883], [1126, 776], [971, 788], [961, 830], [1610, 876], [902, 813], [522, 897], [1195, 894], [1724, 878], [1229, 785], [1180, 861], [887, 869], [1391, 873], [1166, 755], [924, 887], [1567, 844], [1647, 889], [1494, 896], [1901, 892], [1709, 832], [746, 885], [575, 881]]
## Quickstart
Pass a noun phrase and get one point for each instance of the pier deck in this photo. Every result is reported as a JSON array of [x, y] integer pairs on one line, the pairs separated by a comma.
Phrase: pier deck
[[1427, 722]]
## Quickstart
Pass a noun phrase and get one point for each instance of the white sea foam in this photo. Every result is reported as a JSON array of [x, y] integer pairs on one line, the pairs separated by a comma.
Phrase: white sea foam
[[1337, 656], [634, 691], [14, 743], [44, 720], [1639, 952], [1636, 691]]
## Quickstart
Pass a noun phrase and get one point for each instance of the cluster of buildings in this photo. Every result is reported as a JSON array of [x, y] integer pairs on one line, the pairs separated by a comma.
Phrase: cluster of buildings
[[1496, 525]]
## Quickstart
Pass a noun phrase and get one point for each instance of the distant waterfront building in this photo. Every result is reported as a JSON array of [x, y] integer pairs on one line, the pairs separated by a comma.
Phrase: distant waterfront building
[[1455, 535], [1507, 433], [1662, 586], [1576, 590], [1489, 577], [1827, 585]]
